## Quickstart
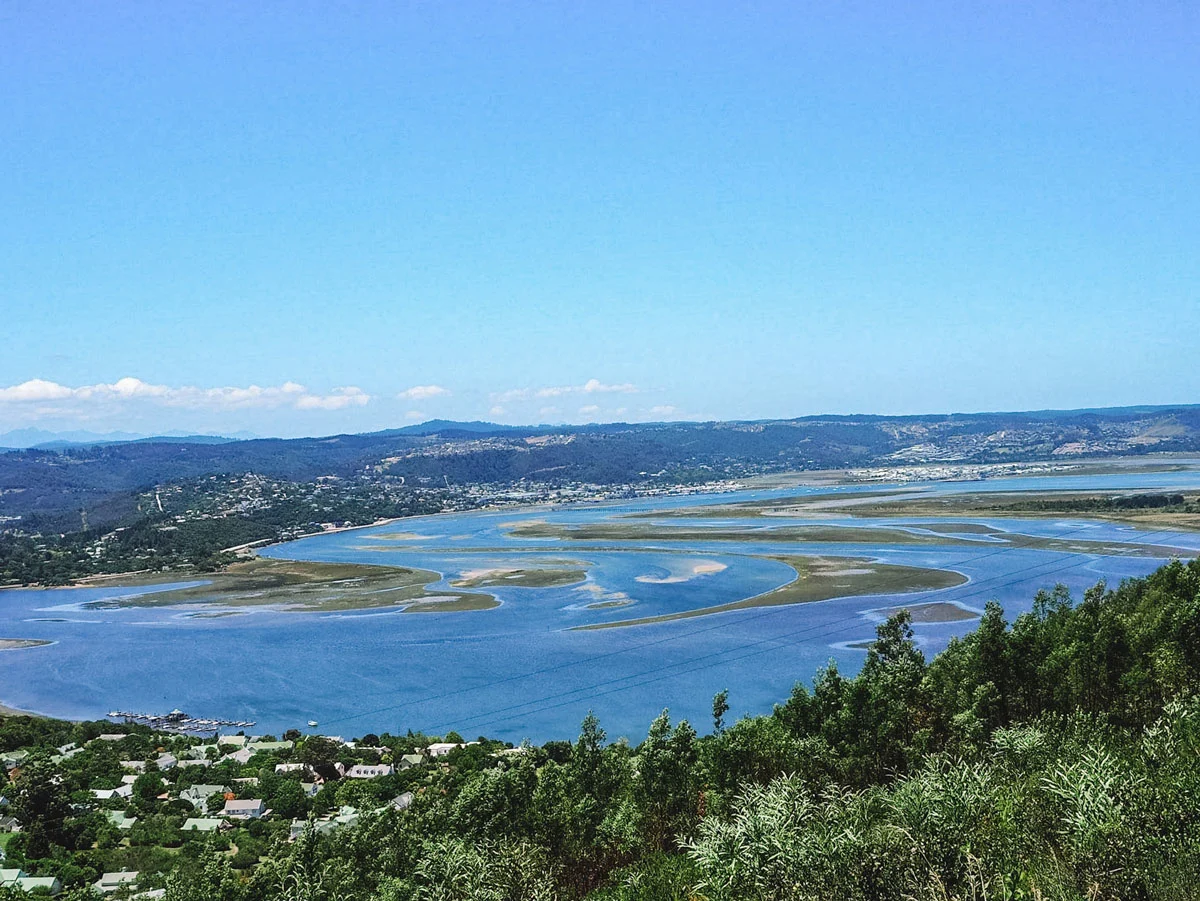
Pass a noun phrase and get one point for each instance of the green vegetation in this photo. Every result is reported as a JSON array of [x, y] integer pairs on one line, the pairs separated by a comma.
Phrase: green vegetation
[[1150, 510], [193, 527], [820, 579], [823, 534], [314, 587], [1053, 758]]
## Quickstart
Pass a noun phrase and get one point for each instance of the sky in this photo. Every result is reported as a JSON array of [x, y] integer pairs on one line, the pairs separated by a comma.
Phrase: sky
[[302, 218]]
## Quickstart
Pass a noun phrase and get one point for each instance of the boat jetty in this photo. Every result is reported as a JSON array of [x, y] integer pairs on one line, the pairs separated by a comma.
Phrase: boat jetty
[[178, 721]]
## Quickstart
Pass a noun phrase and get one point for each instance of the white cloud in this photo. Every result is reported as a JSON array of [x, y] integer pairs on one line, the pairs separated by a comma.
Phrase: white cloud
[[423, 392], [591, 386], [548, 411], [414, 414], [589, 410], [664, 410], [594, 386], [497, 410], [44, 398], [338, 400], [34, 391]]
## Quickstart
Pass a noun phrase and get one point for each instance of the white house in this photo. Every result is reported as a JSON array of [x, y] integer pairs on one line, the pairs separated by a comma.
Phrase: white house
[[110, 882], [125, 790], [369, 771], [245, 810], [442, 748], [198, 795], [401, 801]]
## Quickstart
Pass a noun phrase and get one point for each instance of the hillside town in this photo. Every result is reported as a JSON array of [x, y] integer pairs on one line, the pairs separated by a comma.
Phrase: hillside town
[[133, 800]]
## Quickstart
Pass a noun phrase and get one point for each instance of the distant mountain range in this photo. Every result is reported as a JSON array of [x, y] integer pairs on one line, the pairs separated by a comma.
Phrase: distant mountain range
[[67, 473], [19, 439]]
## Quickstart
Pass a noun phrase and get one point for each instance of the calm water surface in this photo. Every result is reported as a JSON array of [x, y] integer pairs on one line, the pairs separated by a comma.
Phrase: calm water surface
[[518, 671]]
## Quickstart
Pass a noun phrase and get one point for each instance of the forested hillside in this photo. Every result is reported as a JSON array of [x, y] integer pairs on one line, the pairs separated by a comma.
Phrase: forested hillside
[[1054, 757], [104, 478]]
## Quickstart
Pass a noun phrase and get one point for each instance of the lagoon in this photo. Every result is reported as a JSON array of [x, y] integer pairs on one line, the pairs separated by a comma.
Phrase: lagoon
[[525, 668]]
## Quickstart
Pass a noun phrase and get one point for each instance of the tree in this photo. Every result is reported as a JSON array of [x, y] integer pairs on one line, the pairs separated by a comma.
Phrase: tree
[[720, 707], [41, 803], [666, 764]]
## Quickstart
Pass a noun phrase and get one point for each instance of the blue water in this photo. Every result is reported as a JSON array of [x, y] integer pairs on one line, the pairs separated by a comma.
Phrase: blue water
[[518, 671]]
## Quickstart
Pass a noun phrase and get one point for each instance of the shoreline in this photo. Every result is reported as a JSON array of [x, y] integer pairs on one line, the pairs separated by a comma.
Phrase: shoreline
[[815, 478], [5, 710]]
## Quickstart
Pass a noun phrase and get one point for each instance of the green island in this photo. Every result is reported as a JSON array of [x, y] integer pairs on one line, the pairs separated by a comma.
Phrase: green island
[[1050, 757], [819, 579], [1158, 510], [825, 534], [309, 587]]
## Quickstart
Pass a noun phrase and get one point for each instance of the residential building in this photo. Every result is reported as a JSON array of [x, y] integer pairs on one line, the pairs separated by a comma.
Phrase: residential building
[[198, 795], [245, 810], [369, 771], [118, 819], [442, 748], [122, 791], [271, 745], [110, 882], [16, 878], [166, 761], [401, 801], [202, 824]]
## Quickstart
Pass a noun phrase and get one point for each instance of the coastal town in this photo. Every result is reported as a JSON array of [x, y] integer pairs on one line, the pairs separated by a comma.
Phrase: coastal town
[[139, 798]]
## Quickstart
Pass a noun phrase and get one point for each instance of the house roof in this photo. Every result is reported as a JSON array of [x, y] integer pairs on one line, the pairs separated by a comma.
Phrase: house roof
[[201, 824], [251, 804]]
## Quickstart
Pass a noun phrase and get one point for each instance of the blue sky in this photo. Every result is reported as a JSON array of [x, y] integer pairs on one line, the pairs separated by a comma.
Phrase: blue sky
[[306, 218]]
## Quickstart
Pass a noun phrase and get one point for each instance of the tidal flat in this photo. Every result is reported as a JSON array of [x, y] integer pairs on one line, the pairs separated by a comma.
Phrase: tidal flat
[[313, 587], [19, 644], [819, 579]]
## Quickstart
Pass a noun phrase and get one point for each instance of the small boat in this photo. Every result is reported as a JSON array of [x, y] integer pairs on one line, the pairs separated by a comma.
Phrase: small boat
[[313, 723]]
